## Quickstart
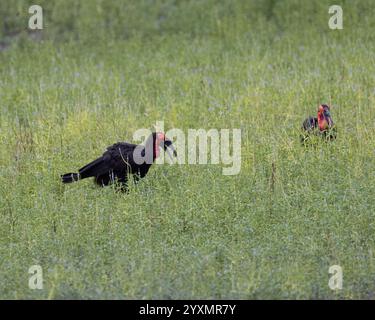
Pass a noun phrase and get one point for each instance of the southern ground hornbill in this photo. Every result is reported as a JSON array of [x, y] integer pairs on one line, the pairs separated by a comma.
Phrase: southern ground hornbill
[[122, 159], [321, 126]]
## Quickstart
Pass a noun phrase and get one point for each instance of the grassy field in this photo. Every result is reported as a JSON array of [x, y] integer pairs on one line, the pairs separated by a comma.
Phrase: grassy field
[[102, 70]]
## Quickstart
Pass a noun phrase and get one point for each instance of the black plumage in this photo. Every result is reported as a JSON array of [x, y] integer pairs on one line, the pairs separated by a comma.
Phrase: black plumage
[[310, 124], [122, 159]]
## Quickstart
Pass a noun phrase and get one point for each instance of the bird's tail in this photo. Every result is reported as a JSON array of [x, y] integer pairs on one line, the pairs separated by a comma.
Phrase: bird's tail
[[93, 169], [70, 177]]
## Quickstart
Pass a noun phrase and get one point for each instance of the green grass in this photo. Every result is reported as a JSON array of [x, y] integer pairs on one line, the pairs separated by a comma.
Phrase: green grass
[[188, 231]]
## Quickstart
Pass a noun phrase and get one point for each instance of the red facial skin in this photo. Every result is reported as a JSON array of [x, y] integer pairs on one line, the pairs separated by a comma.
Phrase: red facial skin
[[160, 137], [324, 122]]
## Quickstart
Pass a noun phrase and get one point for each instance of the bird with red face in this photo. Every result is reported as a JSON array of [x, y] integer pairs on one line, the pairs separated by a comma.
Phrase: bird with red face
[[322, 125], [122, 159]]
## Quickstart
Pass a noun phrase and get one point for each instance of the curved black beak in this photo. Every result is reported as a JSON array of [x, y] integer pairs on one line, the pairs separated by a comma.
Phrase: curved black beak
[[330, 122], [328, 117], [169, 145]]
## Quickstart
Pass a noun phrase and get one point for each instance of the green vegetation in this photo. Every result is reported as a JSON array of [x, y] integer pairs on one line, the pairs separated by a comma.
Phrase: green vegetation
[[103, 69]]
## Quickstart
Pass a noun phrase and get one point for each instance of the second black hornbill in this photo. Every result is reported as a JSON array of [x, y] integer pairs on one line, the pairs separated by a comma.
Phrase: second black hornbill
[[322, 125], [122, 159]]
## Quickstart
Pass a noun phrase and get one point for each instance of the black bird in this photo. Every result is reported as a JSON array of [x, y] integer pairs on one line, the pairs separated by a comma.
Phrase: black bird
[[321, 126], [122, 159]]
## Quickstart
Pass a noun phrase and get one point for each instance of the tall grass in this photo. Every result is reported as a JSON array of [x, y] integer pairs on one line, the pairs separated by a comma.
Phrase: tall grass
[[107, 68]]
